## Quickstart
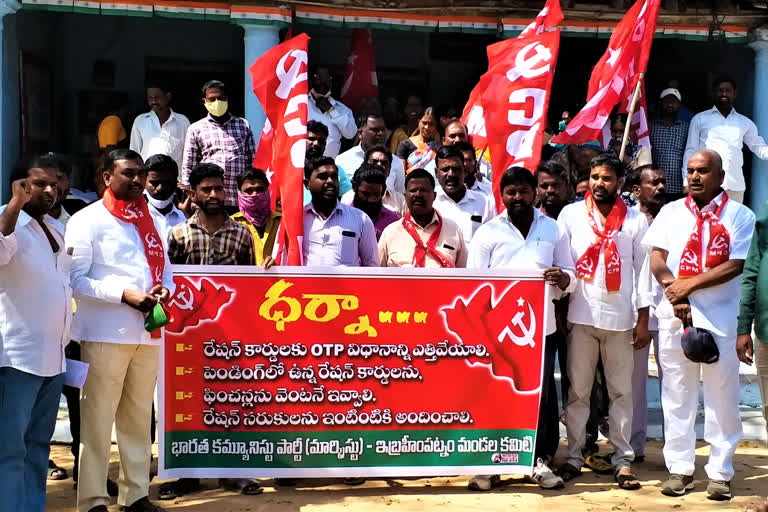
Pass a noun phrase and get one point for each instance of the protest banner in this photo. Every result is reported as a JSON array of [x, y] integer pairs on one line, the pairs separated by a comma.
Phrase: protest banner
[[302, 372]]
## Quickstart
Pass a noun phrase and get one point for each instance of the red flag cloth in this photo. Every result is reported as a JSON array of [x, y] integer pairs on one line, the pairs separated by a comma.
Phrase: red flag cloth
[[472, 116], [615, 75], [360, 73], [189, 305], [279, 80], [519, 85]]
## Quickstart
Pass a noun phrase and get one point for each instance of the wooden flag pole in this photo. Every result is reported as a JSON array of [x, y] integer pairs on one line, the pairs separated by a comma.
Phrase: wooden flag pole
[[630, 113]]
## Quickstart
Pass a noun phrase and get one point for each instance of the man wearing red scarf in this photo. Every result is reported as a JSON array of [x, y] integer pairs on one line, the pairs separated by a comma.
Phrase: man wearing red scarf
[[119, 273], [605, 241], [699, 244]]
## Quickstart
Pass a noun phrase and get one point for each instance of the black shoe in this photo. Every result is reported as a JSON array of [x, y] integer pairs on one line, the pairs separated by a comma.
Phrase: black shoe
[[639, 459], [98, 508], [143, 505]]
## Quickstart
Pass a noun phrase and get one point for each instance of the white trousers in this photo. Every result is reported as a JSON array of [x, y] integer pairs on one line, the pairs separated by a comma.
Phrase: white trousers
[[680, 399]]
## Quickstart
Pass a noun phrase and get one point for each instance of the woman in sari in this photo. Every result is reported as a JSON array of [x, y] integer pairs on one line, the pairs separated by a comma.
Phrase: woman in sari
[[419, 150]]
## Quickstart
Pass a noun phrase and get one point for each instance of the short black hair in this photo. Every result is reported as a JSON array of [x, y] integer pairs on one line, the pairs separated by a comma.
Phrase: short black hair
[[553, 169], [63, 163], [214, 84], [633, 178], [379, 149], [363, 119], [317, 127], [203, 171], [252, 174], [112, 156], [315, 163], [454, 121], [463, 146], [369, 174], [515, 175], [722, 79], [162, 163], [610, 160], [44, 161], [154, 84], [447, 153], [420, 174]]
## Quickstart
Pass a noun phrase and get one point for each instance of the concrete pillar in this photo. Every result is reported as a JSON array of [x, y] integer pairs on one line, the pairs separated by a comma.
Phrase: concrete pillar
[[758, 188], [258, 39], [9, 116]]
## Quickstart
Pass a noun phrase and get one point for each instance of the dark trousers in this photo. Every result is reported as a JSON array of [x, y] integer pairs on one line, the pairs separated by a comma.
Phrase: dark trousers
[[598, 407], [548, 433]]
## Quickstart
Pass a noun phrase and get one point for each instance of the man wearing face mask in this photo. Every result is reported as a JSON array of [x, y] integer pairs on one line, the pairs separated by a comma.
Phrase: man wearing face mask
[[332, 113], [369, 185], [219, 138], [162, 178], [254, 200]]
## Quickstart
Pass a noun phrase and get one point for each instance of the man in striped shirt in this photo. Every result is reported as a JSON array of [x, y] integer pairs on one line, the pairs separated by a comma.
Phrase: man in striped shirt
[[219, 138]]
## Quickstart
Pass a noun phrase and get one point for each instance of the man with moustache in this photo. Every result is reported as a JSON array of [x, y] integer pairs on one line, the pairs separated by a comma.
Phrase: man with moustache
[[605, 241], [381, 157], [209, 237], [317, 138], [651, 195], [468, 209], [161, 131], [119, 273], [725, 131], [522, 237], [423, 238], [369, 185], [699, 245], [336, 116], [668, 136], [373, 132], [36, 307], [473, 179]]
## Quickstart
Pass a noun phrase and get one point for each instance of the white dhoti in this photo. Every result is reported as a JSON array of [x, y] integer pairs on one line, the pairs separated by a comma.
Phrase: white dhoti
[[680, 398]]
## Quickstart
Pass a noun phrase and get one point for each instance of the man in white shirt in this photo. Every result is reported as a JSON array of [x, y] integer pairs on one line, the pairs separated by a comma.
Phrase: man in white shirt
[[36, 307], [372, 133], [699, 245], [381, 157], [468, 209], [162, 183], [725, 131], [120, 272], [161, 131], [473, 179], [605, 239], [522, 238], [650, 189], [335, 234], [332, 113]]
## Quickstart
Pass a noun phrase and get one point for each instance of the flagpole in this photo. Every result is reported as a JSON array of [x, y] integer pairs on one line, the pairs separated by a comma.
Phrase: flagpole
[[630, 113]]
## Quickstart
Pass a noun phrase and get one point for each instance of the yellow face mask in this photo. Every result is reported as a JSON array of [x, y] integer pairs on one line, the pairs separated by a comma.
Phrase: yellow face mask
[[217, 107]]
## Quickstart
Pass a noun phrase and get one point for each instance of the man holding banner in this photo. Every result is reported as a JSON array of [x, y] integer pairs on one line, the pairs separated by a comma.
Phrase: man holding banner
[[522, 237]]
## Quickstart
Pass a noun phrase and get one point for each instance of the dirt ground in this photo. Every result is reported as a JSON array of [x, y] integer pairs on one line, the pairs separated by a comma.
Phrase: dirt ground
[[589, 493]]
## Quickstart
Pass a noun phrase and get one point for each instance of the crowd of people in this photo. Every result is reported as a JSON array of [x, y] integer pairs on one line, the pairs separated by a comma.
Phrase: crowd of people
[[654, 247]]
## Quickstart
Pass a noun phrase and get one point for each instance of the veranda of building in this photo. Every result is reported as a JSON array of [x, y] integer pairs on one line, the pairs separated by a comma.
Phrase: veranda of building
[[64, 62]]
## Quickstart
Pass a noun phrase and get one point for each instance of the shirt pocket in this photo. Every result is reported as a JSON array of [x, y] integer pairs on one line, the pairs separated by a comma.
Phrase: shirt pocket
[[542, 253], [348, 253]]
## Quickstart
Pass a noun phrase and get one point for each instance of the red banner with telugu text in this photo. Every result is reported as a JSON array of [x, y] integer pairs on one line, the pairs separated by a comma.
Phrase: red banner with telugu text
[[340, 372]]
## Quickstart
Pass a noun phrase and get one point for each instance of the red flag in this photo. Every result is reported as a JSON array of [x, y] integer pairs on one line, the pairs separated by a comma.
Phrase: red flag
[[360, 74], [472, 116], [519, 84], [279, 80], [615, 75], [189, 305]]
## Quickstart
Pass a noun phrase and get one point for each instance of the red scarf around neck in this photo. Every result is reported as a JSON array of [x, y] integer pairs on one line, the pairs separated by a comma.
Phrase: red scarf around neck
[[421, 250], [137, 213], [605, 239], [719, 246]]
